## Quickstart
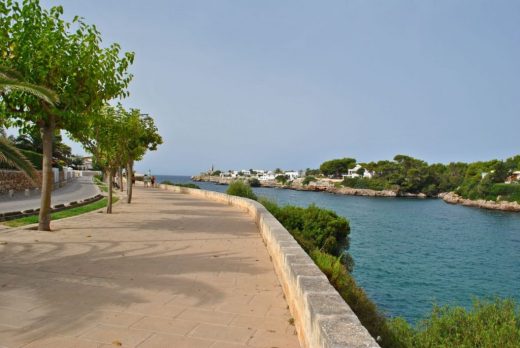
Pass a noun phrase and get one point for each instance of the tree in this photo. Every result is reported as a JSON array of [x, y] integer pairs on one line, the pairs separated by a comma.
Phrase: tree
[[139, 135], [102, 139], [65, 57], [336, 167], [32, 141], [11, 80], [10, 155]]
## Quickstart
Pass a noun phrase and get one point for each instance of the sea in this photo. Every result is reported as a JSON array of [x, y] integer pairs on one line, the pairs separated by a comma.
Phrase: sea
[[413, 253]]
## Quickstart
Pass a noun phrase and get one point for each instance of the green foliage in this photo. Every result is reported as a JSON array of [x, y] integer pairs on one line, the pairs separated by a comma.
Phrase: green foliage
[[31, 140], [337, 167], [241, 189], [406, 174], [488, 324], [308, 179], [254, 182], [366, 310], [282, 179], [33, 157], [365, 183], [314, 227], [312, 172], [13, 157], [66, 57], [12, 80], [216, 173], [188, 185]]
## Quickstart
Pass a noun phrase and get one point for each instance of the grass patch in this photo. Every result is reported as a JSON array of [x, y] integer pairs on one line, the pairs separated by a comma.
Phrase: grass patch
[[102, 186], [61, 214]]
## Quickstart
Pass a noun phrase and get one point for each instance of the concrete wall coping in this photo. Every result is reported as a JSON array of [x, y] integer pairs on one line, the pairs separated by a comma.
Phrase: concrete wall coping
[[322, 318]]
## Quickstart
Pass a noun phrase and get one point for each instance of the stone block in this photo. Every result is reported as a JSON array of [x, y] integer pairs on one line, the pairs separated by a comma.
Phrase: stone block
[[343, 331]]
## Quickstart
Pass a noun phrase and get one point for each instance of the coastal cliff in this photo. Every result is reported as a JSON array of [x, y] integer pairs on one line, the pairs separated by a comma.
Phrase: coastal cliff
[[453, 198]]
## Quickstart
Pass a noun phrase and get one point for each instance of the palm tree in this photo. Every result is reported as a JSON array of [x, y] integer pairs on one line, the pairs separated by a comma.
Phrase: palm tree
[[11, 80], [11, 156]]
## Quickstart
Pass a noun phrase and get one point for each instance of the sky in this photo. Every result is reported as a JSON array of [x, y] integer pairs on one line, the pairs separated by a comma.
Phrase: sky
[[290, 84]]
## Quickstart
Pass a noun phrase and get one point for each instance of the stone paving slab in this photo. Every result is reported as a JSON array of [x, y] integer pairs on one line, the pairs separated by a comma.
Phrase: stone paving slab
[[169, 270]]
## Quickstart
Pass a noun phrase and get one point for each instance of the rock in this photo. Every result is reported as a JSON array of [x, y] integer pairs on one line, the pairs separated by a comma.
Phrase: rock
[[453, 198]]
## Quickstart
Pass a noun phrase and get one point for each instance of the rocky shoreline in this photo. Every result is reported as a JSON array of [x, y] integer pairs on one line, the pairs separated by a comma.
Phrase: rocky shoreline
[[317, 186], [329, 186], [453, 198]]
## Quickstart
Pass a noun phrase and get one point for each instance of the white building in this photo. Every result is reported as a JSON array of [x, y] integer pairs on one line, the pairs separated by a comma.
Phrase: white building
[[514, 177], [353, 173], [292, 175], [266, 177]]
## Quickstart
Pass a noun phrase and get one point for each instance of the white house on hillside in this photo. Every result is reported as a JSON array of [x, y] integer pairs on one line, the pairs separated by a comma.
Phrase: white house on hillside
[[267, 176], [292, 175], [353, 173], [514, 177]]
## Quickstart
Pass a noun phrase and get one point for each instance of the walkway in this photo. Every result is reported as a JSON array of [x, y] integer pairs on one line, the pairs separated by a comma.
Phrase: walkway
[[169, 270], [78, 189]]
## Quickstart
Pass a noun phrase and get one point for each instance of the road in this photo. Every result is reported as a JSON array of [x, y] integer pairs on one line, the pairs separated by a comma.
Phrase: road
[[78, 189]]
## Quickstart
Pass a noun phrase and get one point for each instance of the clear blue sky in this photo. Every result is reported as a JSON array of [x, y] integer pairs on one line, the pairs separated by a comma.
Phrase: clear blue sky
[[289, 84]]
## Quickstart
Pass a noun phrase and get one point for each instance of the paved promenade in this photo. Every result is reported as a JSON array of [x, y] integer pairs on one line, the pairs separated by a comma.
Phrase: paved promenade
[[169, 270], [78, 189]]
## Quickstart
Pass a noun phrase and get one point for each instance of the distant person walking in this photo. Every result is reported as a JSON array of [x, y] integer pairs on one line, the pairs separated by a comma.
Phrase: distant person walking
[[153, 180], [146, 180]]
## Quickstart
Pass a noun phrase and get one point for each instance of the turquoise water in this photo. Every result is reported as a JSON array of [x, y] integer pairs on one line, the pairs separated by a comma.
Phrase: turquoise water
[[411, 253]]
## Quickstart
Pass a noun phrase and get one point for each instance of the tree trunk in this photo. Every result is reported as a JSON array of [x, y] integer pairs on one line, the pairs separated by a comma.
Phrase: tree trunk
[[120, 175], [129, 181], [44, 220], [109, 204]]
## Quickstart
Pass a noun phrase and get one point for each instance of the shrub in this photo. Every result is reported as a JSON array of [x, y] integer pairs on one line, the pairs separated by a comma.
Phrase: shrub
[[254, 182], [241, 189], [282, 179], [365, 183], [366, 310], [324, 236], [308, 179], [488, 324]]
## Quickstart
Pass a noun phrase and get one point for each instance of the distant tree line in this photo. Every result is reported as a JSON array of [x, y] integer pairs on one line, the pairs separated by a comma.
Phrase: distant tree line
[[405, 174]]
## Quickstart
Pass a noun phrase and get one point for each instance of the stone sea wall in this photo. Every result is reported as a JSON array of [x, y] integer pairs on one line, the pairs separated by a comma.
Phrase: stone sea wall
[[453, 198], [322, 317]]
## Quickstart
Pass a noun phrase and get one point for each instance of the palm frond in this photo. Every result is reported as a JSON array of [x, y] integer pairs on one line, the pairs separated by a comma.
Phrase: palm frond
[[9, 73], [13, 80], [39, 91], [10, 155]]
